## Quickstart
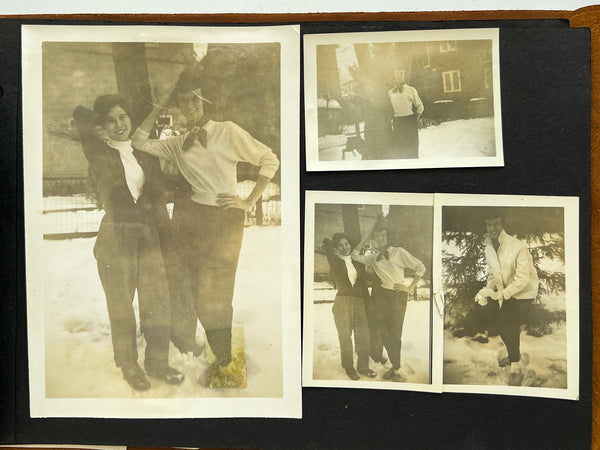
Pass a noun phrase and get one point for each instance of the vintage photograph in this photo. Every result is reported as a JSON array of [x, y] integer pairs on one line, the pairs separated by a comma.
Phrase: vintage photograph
[[510, 284], [402, 99], [368, 315], [161, 182]]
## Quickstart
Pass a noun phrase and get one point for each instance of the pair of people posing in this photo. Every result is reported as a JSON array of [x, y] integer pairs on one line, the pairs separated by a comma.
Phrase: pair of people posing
[[376, 320], [194, 255]]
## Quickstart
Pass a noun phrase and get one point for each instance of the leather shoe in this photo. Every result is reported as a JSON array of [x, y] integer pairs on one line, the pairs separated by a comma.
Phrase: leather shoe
[[134, 375], [352, 374], [392, 375], [368, 372], [515, 379], [166, 373]]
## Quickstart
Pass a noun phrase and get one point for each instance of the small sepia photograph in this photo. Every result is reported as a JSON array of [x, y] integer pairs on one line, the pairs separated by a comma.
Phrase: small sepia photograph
[[402, 99], [161, 180], [368, 315], [510, 286]]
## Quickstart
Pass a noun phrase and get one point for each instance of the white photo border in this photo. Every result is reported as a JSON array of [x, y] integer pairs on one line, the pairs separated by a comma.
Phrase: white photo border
[[370, 198], [290, 404], [310, 98], [571, 227]]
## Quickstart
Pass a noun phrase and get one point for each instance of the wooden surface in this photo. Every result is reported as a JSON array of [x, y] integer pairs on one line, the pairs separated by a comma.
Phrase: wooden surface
[[590, 17], [585, 17]]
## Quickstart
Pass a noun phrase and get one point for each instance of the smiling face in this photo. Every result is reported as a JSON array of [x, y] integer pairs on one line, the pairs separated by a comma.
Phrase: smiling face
[[190, 104], [494, 227], [343, 247], [117, 124]]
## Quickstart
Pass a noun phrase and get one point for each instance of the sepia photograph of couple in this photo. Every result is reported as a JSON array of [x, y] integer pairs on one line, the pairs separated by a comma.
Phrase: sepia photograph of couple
[[158, 193]]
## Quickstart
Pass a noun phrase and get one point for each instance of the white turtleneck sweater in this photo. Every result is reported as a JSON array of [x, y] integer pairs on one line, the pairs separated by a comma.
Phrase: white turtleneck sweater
[[352, 273], [134, 175]]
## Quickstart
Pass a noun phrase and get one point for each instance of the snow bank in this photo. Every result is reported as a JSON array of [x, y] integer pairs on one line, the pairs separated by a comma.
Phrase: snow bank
[[544, 360], [458, 138], [79, 357], [415, 345]]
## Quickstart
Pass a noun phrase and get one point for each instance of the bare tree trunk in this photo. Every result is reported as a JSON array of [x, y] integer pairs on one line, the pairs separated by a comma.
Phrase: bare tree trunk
[[133, 81], [351, 222]]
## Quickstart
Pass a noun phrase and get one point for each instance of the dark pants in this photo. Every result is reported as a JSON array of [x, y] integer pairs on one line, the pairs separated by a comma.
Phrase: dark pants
[[406, 137], [183, 314], [349, 315], [129, 258], [372, 309], [505, 321], [392, 309], [212, 240]]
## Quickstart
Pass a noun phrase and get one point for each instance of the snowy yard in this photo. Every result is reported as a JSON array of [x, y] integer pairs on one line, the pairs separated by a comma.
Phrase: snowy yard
[[79, 357], [415, 345], [457, 138], [543, 360]]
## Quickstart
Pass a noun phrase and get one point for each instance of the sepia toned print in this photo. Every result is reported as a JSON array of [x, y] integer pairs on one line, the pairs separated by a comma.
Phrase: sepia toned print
[[159, 199], [368, 288], [510, 289], [403, 99]]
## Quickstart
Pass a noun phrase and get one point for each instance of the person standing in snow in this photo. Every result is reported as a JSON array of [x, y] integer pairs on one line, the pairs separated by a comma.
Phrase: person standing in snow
[[210, 229], [349, 309], [128, 248], [512, 285], [391, 294], [408, 108]]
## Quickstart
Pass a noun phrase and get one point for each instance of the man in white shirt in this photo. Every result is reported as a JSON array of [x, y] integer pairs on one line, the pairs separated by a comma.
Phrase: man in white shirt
[[391, 294], [210, 228], [408, 107], [512, 285]]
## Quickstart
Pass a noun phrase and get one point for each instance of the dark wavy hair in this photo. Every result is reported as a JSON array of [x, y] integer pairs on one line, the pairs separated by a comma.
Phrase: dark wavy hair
[[380, 225], [330, 244], [189, 80], [105, 103], [491, 213]]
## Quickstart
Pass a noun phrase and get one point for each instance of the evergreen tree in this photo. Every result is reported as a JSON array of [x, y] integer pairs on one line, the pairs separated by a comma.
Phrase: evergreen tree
[[465, 270]]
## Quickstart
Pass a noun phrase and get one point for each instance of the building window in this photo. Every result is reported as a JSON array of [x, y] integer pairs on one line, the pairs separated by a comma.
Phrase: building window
[[451, 81], [448, 46], [487, 77]]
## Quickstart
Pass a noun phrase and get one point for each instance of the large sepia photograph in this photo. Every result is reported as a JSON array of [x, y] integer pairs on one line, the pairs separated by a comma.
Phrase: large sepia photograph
[[161, 186], [368, 291], [402, 99], [509, 269]]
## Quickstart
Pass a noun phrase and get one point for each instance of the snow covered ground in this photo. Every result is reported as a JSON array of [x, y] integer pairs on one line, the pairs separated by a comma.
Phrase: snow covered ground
[[465, 137], [79, 358], [457, 138], [543, 360], [415, 345]]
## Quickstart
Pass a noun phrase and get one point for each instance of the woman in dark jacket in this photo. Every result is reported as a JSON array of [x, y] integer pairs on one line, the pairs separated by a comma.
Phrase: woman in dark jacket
[[349, 308], [127, 248]]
